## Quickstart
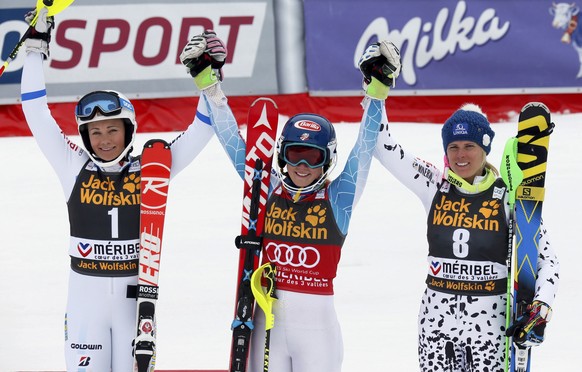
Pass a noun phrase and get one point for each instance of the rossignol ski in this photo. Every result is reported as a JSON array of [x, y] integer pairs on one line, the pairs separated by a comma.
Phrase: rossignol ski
[[533, 138], [156, 162], [260, 145]]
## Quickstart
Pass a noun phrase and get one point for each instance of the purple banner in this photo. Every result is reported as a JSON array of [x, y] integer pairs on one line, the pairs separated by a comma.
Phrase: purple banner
[[471, 46]]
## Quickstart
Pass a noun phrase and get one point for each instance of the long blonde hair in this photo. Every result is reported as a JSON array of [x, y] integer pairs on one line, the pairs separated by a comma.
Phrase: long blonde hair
[[492, 168]]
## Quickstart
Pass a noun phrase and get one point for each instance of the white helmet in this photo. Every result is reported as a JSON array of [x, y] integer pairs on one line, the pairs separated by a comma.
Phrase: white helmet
[[103, 105]]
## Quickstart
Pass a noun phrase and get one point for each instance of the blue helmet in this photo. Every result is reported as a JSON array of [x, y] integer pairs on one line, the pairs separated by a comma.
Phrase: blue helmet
[[310, 130]]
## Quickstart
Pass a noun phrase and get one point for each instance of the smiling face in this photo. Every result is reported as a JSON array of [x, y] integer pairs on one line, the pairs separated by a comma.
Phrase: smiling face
[[466, 159], [107, 138], [302, 175]]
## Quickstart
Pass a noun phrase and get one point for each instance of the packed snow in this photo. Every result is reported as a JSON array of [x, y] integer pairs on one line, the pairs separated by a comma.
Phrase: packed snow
[[380, 278]]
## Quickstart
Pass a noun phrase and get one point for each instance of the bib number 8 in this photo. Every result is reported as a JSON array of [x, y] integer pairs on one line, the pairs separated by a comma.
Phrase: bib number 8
[[460, 243]]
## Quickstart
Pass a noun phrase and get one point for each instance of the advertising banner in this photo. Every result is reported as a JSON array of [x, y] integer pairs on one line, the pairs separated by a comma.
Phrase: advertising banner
[[134, 47], [448, 47]]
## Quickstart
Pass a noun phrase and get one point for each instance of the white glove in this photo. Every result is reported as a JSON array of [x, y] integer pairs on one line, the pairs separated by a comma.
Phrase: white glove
[[215, 48], [204, 56], [392, 54], [202, 51], [40, 37], [192, 52], [382, 61]]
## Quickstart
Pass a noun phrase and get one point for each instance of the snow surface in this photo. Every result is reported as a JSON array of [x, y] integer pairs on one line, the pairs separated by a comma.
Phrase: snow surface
[[380, 278]]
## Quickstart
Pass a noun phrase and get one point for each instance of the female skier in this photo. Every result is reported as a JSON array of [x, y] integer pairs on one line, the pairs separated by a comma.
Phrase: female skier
[[306, 336], [101, 185], [461, 323]]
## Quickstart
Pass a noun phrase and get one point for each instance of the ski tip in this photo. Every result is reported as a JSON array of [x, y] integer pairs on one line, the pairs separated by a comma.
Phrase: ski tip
[[539, 105], [150, 143], [264, 100], [533, 109]]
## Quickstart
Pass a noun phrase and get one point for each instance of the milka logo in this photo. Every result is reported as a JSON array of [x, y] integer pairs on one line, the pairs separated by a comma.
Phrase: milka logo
[[430, 41]]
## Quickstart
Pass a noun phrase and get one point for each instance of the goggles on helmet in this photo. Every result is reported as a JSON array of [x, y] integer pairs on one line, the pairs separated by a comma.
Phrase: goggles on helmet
[[107, 103], [312, 156]]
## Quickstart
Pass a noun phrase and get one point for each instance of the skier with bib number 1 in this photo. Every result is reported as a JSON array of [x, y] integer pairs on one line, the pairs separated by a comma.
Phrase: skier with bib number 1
[[101, 188]]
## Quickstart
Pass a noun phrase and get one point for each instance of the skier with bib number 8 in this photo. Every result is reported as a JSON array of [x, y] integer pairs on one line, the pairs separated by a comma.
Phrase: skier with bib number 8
[[101, 188], [462, 320], [307, 218]]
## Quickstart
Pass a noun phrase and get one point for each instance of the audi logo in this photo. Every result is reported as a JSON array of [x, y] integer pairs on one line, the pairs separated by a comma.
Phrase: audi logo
[[292, 255]]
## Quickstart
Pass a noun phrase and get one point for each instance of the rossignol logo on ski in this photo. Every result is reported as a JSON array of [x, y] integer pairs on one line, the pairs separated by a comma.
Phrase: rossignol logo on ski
[[147, 291], [156, 188]]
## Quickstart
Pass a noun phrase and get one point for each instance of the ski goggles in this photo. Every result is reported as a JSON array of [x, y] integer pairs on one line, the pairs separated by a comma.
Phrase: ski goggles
[[106, 103], [310, 155]]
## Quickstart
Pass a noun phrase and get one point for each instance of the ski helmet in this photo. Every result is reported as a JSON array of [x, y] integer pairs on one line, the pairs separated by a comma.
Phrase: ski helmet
[[308, 130], [104, 105]]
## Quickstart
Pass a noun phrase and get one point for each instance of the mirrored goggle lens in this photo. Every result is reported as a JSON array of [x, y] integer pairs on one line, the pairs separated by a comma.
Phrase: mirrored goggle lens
[[313, 157], [106, 103]]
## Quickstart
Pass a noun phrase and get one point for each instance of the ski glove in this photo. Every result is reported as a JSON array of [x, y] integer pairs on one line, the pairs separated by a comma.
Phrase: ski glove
[[528, 329], [40, 36], [204, 56], [380, 65]]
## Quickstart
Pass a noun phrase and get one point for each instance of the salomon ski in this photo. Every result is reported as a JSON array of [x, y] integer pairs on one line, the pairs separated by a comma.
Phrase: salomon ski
[[260, 145], [156, 161], [533, 138]]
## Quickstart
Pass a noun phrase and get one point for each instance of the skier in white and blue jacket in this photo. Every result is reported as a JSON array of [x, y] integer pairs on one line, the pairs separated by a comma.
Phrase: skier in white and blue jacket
[[306, 336]]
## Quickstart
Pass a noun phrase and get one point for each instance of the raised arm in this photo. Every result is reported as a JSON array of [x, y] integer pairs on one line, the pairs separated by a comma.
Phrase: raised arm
[[380, 65], [419, 176], [65, 157], [186, 147], [204, 56]]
